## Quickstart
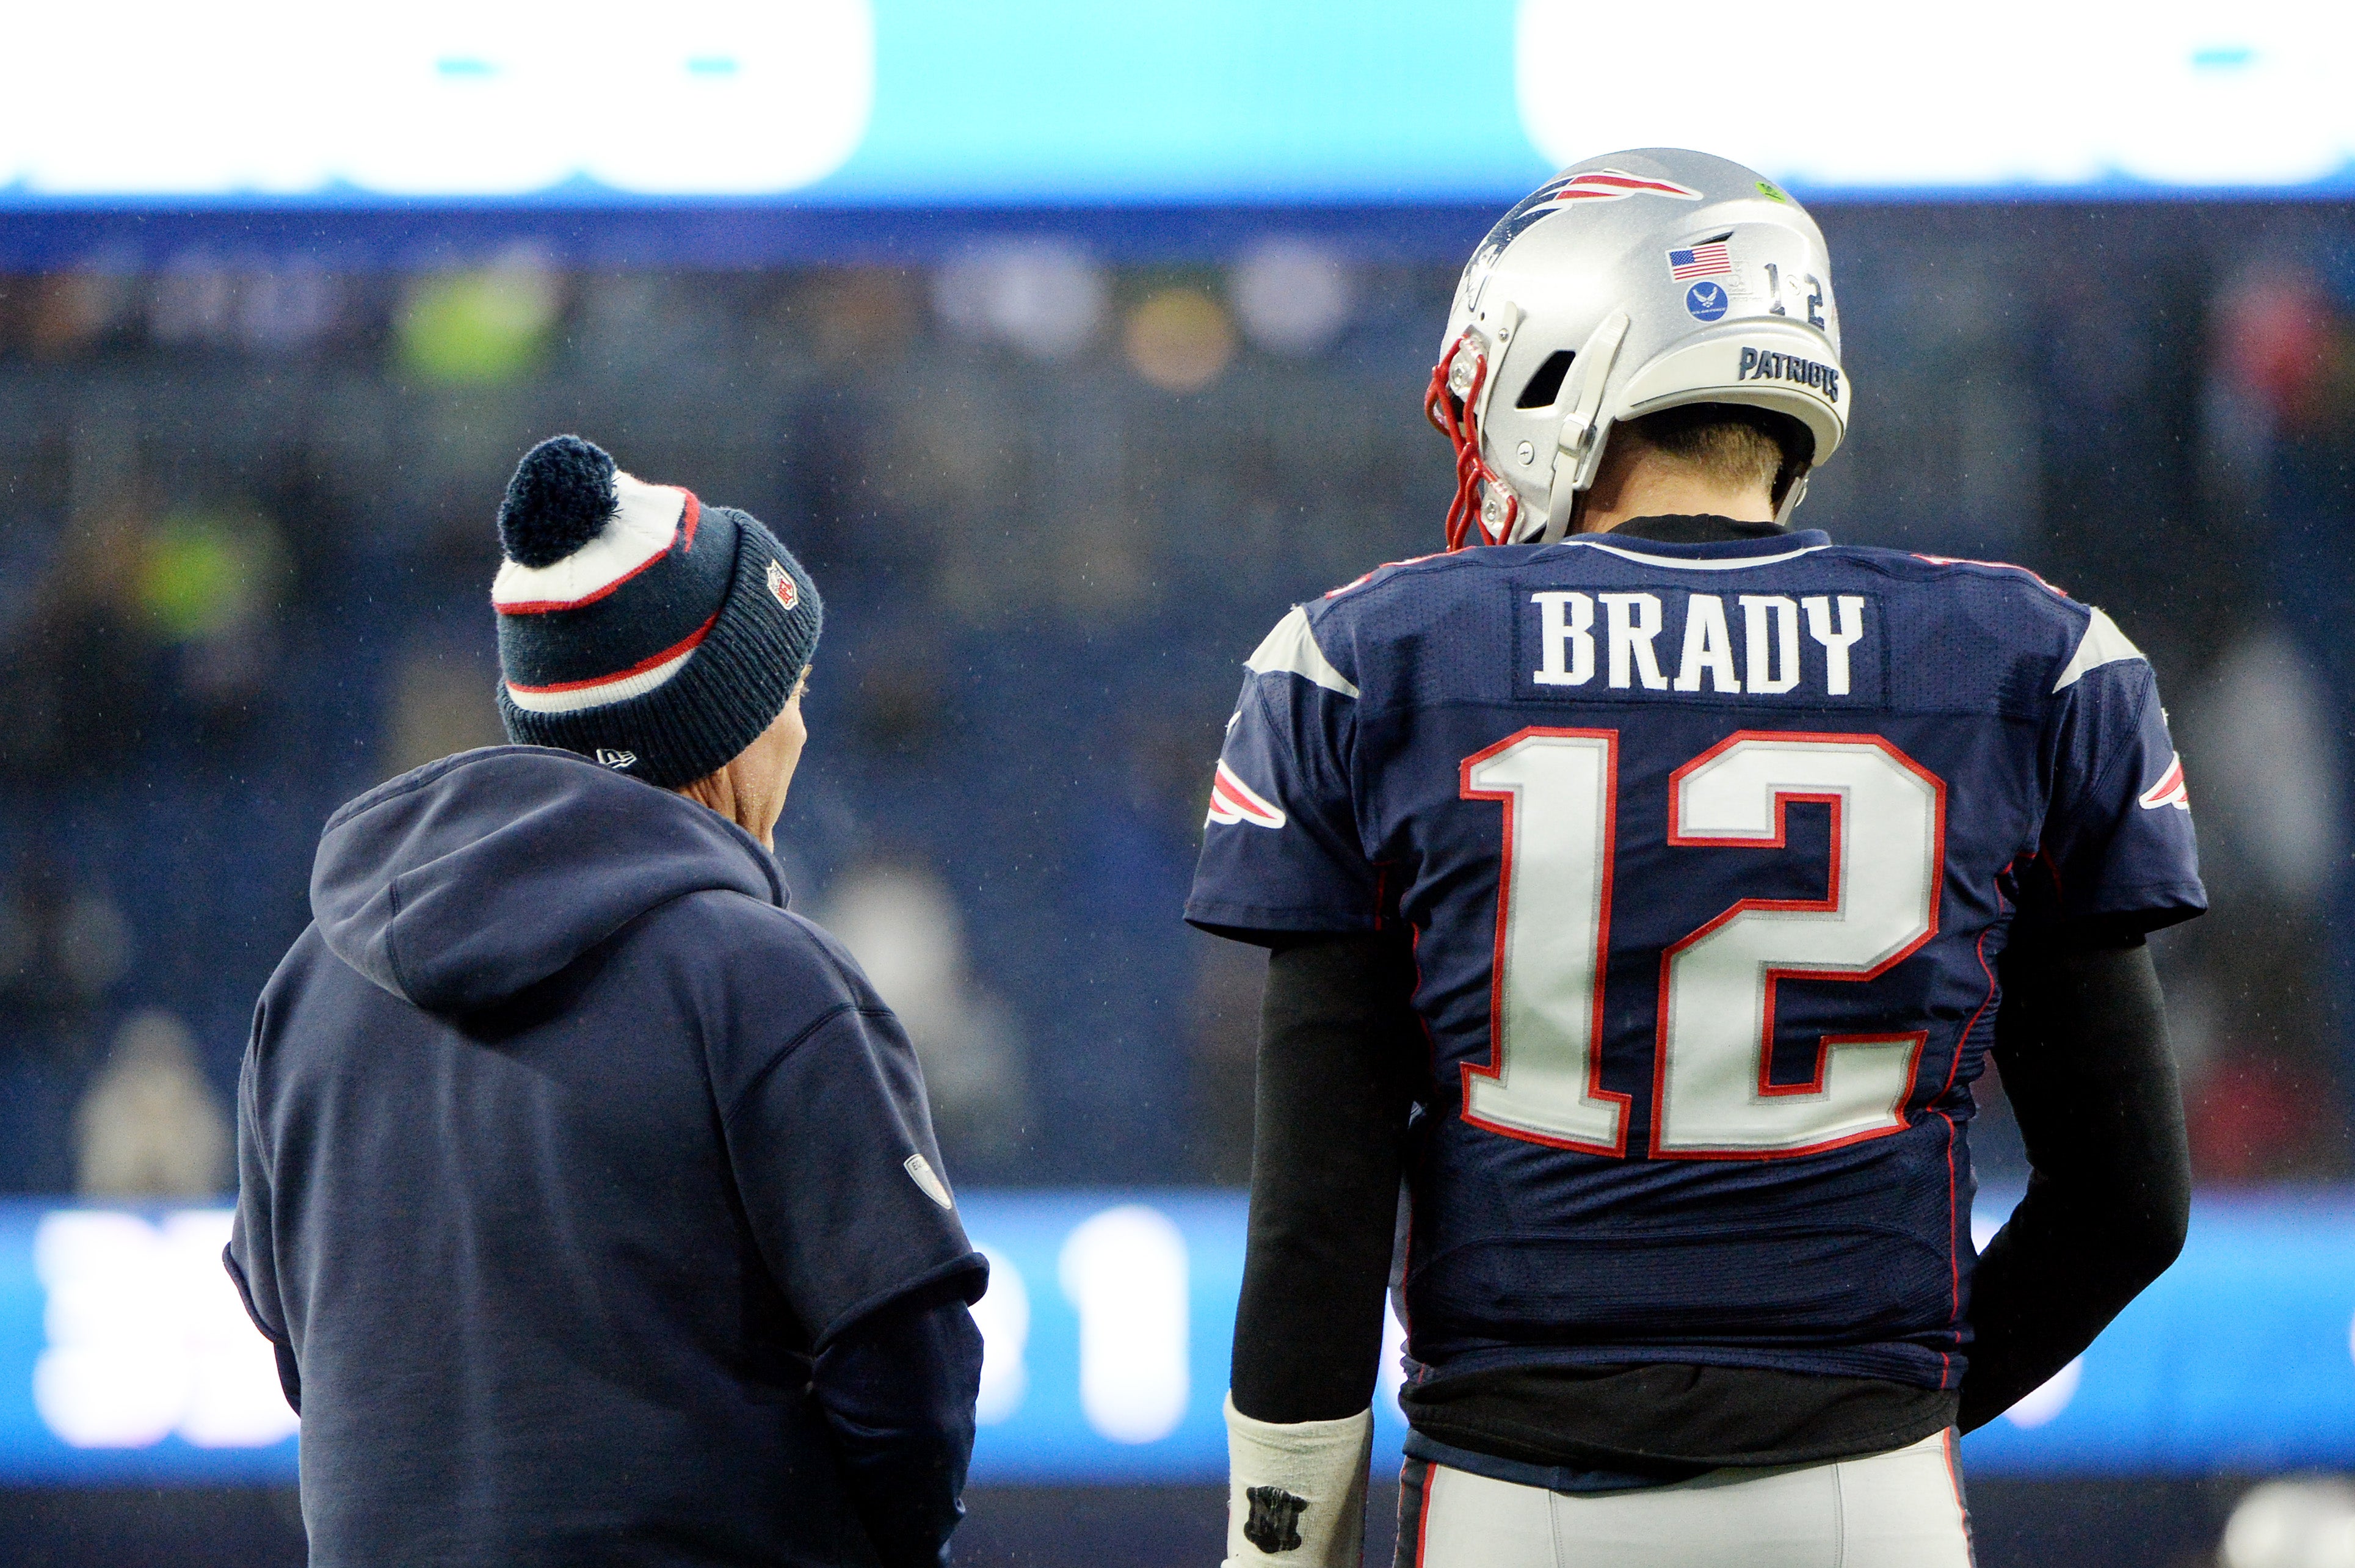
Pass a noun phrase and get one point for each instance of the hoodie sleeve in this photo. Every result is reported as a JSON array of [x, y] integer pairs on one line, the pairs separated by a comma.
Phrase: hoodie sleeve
[[831, 1140], [899, 1388], [250, 1257]]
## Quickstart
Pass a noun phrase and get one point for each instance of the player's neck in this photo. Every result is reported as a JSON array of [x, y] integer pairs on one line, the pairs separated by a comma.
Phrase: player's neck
[[1648, 483]]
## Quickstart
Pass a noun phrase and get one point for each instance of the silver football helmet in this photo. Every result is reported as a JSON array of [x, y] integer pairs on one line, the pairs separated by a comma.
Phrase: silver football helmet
[[1627, 284]]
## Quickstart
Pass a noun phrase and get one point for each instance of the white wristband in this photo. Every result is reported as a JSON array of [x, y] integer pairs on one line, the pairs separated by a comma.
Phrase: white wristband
[[1297, 1491]]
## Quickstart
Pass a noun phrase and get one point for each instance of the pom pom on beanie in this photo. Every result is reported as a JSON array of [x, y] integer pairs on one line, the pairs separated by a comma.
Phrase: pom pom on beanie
[[561, 495]]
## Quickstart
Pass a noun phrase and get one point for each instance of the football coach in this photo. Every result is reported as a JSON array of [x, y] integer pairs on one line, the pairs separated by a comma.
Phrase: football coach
[[588, 1194]]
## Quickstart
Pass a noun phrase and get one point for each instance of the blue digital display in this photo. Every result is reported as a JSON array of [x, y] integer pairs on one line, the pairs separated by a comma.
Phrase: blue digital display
[[125, 1359], [933, 103]]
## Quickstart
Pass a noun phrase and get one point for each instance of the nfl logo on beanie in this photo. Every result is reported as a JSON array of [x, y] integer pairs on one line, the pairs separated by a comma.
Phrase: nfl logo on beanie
[[637, 626]]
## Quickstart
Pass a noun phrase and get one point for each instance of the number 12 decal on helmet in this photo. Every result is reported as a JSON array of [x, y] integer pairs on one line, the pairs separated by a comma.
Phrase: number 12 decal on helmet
[[1713, 1094]]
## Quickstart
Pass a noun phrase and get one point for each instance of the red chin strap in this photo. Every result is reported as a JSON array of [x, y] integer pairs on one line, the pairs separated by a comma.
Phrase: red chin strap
[[1454, 418]]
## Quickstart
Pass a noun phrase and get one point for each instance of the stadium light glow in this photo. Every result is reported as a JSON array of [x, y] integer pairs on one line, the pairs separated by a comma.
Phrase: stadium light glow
[[146, 1338], [1004, 1318], [1124, 1271], [434, 97], [2027, 92], [868, 105]]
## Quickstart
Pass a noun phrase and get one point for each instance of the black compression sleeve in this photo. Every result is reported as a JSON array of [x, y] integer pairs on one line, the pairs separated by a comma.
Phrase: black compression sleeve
[[1339, 1049], [2081, 1039]]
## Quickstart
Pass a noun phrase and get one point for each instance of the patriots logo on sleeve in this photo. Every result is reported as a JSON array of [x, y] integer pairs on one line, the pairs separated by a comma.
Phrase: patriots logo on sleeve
[[2168, 791], [1233, 801]]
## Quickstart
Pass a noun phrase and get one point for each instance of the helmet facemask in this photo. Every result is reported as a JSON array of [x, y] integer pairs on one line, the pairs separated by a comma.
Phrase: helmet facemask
[[1454, 403]]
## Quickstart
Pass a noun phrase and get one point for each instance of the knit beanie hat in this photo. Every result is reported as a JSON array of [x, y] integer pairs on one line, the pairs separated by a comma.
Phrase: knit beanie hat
[[638, 626]]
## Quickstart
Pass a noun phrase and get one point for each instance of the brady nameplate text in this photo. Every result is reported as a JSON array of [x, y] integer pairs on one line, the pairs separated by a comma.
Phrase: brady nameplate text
[[1799, 647]]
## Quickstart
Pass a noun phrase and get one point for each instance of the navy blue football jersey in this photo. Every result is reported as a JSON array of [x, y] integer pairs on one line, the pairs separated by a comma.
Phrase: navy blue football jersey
[[1708, 852]]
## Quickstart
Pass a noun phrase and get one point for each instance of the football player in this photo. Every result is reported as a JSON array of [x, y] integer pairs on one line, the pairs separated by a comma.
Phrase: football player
[[1646, 883]]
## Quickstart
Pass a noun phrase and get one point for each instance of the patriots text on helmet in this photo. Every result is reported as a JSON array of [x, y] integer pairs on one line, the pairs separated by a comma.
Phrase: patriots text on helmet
[[1766, 365]]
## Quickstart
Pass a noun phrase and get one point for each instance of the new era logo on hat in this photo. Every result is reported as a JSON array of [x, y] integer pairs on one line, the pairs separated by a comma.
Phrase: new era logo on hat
[[613, 757]]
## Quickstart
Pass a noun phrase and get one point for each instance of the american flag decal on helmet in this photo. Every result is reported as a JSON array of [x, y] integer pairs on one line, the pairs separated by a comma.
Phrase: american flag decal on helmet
[[2168, 791], [1233, 801]]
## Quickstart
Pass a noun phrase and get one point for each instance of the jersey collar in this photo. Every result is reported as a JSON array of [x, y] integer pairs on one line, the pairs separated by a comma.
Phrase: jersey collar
[[1701, 542], [1694, 528]]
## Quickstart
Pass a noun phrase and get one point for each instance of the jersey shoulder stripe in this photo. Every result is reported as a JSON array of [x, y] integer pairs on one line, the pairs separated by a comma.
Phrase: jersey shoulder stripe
[[2102, 644], [1291, 648], [2001, 566], [2038, 618]]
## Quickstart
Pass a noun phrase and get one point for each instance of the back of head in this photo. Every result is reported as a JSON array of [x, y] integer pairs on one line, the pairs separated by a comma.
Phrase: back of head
[[1729, 446], [1629, 286]]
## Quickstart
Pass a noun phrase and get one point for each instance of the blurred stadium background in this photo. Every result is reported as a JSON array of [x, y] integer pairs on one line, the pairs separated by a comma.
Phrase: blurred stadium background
[[1069, 344]]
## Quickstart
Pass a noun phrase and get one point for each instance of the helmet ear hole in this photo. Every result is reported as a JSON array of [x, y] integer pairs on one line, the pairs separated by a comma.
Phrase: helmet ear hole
[[1541, 388]]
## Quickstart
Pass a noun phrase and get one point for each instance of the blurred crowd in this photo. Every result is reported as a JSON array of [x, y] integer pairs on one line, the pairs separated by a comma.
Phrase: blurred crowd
[[1052, 502]]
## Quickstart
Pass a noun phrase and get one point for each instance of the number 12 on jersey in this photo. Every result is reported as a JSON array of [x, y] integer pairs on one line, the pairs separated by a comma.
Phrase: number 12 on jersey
[[1712, 1093]]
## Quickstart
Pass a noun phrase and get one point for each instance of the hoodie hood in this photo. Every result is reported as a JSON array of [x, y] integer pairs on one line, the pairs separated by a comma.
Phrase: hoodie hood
[[460, 884]]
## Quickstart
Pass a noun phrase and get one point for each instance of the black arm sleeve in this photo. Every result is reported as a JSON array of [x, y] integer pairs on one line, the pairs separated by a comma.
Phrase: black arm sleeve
[[898, 1388], [1339, 1049], [2081, 1039]]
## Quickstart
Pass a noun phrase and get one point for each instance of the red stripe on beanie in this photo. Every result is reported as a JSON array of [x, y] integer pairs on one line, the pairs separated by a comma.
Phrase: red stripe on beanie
[[668, 654]]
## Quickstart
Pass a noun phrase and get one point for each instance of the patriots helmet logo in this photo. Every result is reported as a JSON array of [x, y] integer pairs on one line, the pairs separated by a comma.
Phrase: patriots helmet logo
[[1233, 801], [1614, 185], [1558, 195], [2168, 791]]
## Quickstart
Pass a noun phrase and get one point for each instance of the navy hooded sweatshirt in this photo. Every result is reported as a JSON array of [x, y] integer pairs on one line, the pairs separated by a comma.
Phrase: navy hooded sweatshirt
[[590, 1196]]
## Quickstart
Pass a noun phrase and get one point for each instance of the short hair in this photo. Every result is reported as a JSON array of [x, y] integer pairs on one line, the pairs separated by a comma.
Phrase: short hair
[[1732, 443]]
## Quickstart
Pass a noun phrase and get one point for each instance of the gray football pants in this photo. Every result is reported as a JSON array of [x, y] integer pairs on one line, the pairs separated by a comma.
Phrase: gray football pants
[[1899, 1510]]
